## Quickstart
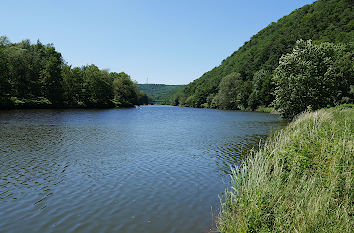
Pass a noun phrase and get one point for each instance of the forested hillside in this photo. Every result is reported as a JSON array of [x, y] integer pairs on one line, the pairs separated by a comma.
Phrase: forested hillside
[[35, 75], [244, 80], [159, 93]]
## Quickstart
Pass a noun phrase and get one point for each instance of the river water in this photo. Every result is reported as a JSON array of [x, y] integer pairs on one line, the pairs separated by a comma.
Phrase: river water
[[154, 169]]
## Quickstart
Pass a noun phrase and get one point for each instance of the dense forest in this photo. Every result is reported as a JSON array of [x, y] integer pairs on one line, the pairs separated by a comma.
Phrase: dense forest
[[35, 75], [268, 70], [159, 93]]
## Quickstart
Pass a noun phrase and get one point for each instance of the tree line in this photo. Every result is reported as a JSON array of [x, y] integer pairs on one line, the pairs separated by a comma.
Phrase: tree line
[[268, 71], [36, 75], [310, 77], [158, 93]]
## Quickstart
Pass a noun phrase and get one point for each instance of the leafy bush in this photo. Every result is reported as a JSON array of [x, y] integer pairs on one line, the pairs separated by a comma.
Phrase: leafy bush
[[314, 76]]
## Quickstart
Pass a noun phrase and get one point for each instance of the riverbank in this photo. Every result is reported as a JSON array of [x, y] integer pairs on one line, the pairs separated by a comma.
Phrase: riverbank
[[300, 181], [44, 103], [270, 110], [264, 109]]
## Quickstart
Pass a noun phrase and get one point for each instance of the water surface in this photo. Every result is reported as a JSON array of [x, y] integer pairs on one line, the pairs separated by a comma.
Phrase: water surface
[[156, 169]]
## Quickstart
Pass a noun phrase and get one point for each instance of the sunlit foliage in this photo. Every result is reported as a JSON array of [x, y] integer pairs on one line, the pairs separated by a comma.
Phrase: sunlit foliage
[[35, 75], [255, 61], [314, 76]]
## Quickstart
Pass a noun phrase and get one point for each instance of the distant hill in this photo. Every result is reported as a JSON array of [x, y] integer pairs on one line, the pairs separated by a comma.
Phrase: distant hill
[[323, 21], [158, 92]]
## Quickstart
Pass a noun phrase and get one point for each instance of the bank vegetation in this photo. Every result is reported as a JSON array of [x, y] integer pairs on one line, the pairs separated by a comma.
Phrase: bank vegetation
[[300, 181], [37, 76]]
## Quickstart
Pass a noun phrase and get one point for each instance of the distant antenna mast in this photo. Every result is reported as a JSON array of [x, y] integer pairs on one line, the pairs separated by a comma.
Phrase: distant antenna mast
[[147, 80]]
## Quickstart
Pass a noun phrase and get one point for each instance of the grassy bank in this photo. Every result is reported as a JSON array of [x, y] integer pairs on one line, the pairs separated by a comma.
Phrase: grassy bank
[[300, 181], [265, 109]]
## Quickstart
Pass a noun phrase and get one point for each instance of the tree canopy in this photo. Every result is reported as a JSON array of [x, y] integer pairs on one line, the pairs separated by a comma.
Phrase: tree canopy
[[160, 93], [36, 75], [314, 76], [323, 21]]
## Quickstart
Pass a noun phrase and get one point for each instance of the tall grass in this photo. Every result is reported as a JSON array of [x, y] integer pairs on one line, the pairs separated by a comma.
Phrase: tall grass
[[300, 181], [265, 109]]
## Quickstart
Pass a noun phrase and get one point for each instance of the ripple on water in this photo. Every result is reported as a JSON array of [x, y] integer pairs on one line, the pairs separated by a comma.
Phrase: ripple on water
[[157, 169]]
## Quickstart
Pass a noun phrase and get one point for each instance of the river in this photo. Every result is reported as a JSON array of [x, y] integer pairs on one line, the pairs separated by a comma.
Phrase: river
[[154, 169]]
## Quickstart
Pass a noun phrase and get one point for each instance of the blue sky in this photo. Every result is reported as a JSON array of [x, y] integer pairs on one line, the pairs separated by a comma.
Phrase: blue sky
[[171, 42]]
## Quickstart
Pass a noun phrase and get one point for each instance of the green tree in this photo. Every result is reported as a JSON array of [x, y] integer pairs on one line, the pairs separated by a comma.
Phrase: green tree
[[322, 21], [262, 89], [4, 78], [51, 76], [73, 85], [97, 87], [17, 71], [5, 86], [313, 76], [35, 75], [230, 94], [124, 89], [142, 98]]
